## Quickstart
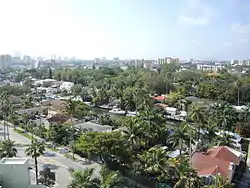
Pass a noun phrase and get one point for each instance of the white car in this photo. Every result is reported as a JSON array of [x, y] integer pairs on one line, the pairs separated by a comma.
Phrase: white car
[[117, 111]]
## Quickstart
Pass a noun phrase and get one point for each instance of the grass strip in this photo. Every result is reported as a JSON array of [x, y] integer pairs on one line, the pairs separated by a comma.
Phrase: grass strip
[[24, 134]]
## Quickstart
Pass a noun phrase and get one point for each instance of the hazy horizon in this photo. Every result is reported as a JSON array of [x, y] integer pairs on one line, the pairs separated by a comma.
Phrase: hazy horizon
[[198, 29]]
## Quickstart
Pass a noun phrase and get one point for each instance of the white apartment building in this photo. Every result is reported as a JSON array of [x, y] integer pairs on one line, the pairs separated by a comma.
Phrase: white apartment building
[[15, 173], [245, 62], [210, 68], [135, 63], [167, 60]]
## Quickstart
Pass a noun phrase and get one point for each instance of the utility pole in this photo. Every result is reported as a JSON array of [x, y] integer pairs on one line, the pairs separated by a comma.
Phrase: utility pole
[[236, 85]]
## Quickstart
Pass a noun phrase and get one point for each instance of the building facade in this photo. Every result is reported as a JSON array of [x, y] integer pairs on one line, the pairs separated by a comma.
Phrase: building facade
[[210, 68], [15, 173], [5, 61], [167, 60]]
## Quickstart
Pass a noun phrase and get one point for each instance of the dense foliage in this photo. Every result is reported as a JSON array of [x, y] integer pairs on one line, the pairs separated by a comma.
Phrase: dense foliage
[[142, 145]]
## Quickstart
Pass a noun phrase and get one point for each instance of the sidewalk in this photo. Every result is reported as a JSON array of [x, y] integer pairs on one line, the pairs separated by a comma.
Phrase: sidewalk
[[55, 150], [78, 159]]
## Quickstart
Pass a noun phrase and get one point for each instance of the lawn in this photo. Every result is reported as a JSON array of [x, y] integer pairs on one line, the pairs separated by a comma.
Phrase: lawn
[[24, 134]]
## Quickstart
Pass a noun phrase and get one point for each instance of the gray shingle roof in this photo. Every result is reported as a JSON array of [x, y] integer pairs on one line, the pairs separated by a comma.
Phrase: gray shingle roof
[[90, 126], [30, 110]]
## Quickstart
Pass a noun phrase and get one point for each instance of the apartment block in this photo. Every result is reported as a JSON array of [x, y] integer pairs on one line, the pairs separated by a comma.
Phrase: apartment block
[[5, 61], [209, 68], [167, 60]]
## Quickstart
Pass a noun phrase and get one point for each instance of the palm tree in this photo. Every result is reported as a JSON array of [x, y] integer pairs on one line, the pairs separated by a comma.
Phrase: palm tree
[[142, 98], [224, 140], [197, 115], [27, 101], [6, 109], [220, 182], [224, 115], [181, 137], [148, 128], [108, 179], [71, 108], [185, 176], [154, 162], [188, 180], [34, 150], [30, 126], [7, 149], [84, 179], [111, 179]]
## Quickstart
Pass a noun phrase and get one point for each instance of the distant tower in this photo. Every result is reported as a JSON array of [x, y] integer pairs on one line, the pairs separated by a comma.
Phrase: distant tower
[[93, 65], [142, 63]]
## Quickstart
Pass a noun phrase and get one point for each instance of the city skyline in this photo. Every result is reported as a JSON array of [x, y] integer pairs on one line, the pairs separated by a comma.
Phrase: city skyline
[[128, 29]]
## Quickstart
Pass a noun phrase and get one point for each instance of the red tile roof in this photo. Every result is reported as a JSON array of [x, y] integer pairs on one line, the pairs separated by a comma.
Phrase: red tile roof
[[214, 161], [159, 98]]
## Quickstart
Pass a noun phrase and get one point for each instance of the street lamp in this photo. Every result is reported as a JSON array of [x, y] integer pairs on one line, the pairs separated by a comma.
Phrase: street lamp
[[236, 85]]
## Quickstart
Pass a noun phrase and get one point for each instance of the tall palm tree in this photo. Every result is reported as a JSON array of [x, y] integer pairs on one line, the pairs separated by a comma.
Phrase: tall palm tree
[[84, 179], [188, 180], [7, 149], [154, 162], [6, 109], [34, 150], [31, 126], [108, 179], [70, 108], [181, 137], [185, 176], [197, 115], [224, 115], [111, 179], [142, 97], [149, 127]]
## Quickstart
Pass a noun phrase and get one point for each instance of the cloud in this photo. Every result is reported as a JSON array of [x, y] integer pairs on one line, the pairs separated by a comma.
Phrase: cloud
[[239, 36], [240, 33], [196, 13]]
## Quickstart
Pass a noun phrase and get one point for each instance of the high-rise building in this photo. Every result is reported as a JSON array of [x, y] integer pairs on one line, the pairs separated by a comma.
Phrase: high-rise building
[[5, 61], [167, 60], [27, 59]]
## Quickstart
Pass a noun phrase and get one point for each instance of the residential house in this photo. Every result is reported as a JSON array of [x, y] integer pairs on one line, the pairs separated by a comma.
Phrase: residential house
[[66, 86], [41, 122], [61, 119], [159, 99], [35, 110], [90, 126], [15, 173], [45, 82], [54, 106], [218, 160]]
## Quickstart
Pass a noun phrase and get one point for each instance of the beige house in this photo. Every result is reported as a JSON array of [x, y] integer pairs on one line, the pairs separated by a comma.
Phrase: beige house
[[54, 106]]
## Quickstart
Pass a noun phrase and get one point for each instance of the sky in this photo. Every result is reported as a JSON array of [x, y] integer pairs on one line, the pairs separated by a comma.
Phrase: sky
[[199, 29]]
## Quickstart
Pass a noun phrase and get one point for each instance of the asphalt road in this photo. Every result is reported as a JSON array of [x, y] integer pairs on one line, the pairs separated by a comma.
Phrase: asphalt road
[[59, 162]]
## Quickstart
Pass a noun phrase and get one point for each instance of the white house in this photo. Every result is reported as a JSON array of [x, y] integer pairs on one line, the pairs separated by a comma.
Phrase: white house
[[15, 173], [66, 86]]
